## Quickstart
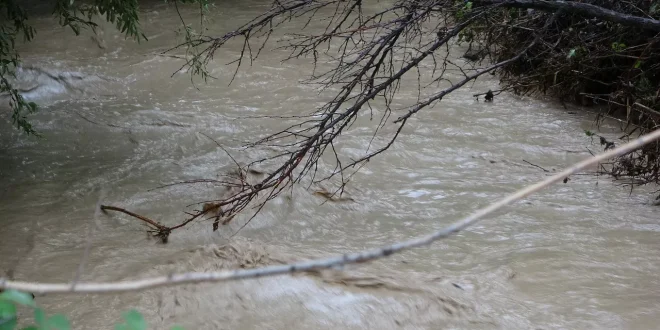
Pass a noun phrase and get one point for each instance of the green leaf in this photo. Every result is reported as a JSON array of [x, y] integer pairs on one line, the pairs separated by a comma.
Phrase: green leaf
[[18, 297], [468, 5], [8, 323], [571, 53], [32, 327], [7, 309], [40, 317], [7, 315], [618, 46], [134, 321], [589, 133], [638, 64], [57, 322]]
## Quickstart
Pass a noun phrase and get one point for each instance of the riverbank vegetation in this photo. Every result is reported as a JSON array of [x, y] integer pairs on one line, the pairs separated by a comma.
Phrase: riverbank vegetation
[[611, 64]]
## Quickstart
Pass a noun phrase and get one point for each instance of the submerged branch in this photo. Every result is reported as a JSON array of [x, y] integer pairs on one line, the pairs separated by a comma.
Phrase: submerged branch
[[152, 223], [157, 229]]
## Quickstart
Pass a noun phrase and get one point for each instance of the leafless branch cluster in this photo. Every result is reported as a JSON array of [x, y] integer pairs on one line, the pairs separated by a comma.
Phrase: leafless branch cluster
[[371, 53]]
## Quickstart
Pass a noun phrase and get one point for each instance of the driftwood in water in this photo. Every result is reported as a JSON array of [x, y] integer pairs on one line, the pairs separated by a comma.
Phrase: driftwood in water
[[157, 229], [235, 182]]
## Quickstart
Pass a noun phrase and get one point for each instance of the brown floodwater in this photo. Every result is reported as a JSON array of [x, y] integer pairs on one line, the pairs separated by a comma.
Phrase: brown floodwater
[[580, 255]]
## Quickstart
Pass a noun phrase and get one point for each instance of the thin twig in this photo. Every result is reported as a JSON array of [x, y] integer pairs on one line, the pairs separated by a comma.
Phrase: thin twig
[[544, 170], [88, 241], [223, 149], [153, 223]]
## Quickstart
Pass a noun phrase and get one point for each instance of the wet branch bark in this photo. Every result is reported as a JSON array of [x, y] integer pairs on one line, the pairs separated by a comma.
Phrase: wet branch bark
[[153, 223], [158, 229]]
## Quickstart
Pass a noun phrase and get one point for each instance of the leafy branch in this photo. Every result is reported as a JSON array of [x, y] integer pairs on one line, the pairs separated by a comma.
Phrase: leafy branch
[[14, 24]]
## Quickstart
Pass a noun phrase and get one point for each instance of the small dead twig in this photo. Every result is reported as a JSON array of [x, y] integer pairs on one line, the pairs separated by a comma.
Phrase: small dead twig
[[157, 228], [194, 181], [544, 170], [223, 149]]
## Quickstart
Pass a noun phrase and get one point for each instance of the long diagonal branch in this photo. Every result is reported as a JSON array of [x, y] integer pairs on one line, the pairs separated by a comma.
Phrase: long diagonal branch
[[306, 266]]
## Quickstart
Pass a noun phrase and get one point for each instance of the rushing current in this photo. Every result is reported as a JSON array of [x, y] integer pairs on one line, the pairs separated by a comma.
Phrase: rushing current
[[116, 125]]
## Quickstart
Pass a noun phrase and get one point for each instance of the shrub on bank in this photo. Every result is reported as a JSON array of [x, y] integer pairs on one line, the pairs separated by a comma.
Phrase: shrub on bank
[[583, 60]]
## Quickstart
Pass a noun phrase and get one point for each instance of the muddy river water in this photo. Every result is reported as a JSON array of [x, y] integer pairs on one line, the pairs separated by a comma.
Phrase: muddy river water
[[580, 255]]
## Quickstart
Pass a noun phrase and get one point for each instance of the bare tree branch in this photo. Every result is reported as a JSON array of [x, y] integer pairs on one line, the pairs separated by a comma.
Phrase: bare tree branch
[[370, 55]]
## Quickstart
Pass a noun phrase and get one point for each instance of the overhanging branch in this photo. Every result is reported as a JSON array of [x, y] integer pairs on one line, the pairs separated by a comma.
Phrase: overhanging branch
[[306, 266], [579, 8]]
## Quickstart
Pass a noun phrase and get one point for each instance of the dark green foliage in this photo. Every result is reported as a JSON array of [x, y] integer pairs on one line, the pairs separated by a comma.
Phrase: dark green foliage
[[14, 24], [123, 13], [77, 16]]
